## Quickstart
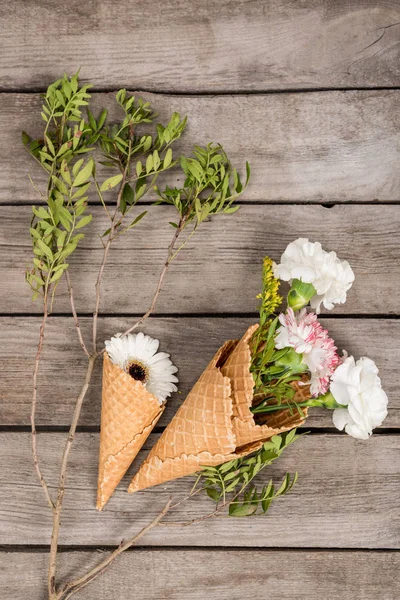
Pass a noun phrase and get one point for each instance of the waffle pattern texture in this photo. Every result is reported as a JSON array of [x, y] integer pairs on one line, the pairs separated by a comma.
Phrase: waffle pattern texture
[[214, 424], [128, 414]]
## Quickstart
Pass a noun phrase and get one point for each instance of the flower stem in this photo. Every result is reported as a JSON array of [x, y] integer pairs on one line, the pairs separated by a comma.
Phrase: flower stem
[[325, 401]]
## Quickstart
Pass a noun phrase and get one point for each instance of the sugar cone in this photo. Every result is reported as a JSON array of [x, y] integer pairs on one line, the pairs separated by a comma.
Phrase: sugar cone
[[128, 414], [214, 424]]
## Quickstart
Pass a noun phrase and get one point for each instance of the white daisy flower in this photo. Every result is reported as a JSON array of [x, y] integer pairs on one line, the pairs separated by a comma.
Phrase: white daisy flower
[[137, 355]]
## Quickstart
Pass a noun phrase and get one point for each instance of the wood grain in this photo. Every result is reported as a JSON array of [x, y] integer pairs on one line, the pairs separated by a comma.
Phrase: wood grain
[[161, 574], [191, 342], [333, 146], [183, 46], [219, 271], [347, 496]]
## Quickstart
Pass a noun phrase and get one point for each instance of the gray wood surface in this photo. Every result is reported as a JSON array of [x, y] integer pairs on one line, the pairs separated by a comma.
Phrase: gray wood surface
[[215, 574], [191, 342], [346, 496], [331, 136], [333, 146], [219, 271], [184, 46]]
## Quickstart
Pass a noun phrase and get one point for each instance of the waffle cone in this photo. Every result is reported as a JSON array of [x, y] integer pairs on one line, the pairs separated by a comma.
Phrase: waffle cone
[[214, 424], [128, 414], [246, 431]]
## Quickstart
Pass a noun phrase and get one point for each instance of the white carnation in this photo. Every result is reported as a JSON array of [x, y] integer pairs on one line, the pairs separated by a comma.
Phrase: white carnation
[[357, 387], [310, 263]]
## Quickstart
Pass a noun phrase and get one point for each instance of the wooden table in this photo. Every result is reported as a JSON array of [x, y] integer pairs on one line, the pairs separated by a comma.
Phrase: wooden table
[[308, 92]]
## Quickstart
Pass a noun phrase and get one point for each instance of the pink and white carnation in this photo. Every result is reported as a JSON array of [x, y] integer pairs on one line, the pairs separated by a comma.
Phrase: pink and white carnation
[[305, 334]]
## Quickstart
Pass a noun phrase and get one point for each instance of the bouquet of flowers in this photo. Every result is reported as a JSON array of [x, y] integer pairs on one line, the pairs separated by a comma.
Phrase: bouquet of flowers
[[262, 386]]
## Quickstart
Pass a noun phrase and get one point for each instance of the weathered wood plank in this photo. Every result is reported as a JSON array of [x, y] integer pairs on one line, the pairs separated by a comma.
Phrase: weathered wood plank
[[333, 146], [191, 342], [219, 271], [238, 45], [347, 496], [223, 574]]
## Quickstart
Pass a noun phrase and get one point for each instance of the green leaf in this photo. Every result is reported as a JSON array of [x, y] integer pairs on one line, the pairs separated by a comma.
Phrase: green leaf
[[77, 166], [81, 191], [45, 249], [167, 158], [84, 174], [213, 494], [102, 118], [149, 163], [60, 185], [138, 218], [128, 195], [111, 182], [65, 172], [40, 212], [84, 221], [26, 138], [57, 275], [248, 173], [242, 510], [231, 210], [140, 188]]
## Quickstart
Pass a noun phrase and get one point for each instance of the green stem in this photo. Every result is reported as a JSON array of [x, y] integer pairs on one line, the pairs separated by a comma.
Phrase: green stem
[[274, 407], [325, 401]]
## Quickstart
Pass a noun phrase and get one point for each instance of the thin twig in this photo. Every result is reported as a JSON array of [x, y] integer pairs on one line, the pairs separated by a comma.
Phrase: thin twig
[[105, 254], [34, 405], [74, 586], [61, 482], [170, 256], [76, 320]]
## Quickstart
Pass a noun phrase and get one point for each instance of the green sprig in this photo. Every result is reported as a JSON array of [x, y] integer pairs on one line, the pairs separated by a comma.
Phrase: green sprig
[[231, 485], [66, 137], [139, 158], [211, 186]]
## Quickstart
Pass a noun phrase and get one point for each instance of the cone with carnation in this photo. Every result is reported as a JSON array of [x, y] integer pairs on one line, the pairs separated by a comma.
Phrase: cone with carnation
[[216, 424]]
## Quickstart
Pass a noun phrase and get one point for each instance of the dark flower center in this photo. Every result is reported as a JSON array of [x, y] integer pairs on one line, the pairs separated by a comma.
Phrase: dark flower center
[[138, 372]]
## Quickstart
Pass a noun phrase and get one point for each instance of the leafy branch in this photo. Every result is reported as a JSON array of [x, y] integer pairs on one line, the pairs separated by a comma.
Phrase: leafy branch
[[211, 185], [66, 137], [231, 485], [56, 228]]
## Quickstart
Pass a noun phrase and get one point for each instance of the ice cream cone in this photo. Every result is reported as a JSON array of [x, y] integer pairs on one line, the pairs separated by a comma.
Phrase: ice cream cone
[[214, 424], [128, 414]]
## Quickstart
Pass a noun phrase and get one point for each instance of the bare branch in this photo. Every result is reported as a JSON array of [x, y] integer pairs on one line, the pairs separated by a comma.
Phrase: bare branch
[[107, 249], [170, 256], [74, 586], [76, 320], [34, 405], [61, 482]]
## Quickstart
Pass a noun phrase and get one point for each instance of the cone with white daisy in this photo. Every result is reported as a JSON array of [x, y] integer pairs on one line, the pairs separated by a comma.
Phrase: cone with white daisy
[[136, 383]]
